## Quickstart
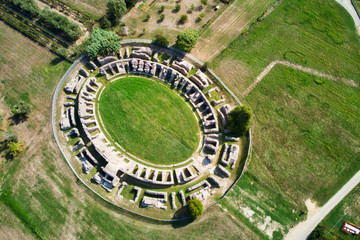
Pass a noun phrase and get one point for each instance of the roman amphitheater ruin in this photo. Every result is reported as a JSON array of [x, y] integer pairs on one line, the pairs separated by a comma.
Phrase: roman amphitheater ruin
[[123, 178]]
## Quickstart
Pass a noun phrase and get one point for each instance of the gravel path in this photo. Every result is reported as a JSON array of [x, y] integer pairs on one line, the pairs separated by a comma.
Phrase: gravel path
[[303, 229], [351, 10], [298, 67]]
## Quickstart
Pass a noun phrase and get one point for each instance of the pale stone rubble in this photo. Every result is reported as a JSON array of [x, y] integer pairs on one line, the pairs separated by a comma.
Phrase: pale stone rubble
[[223, 113], [223, 171], [230, 155], [173, 204], [121, 188]]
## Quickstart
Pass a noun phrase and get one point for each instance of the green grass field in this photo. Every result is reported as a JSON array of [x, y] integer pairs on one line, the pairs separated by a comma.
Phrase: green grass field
[[93, 8], [347, 210], [305, 132], [149, 120], [322, 38]]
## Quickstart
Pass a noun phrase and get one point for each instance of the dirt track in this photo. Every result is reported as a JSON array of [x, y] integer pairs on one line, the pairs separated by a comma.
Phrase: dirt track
[[298, 67]]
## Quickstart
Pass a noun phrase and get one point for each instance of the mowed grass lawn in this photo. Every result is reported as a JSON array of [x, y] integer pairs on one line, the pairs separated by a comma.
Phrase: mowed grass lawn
[[315, 33], [306, 132], [149, 120]]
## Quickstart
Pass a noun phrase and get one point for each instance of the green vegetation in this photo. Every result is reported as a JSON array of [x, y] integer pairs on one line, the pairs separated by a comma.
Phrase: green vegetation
[[115, 10], [321, 233], [239, 120], [27, 7], [162, 17], [102, 42], [328, 43], [60, 24], [183, 19], [21, 110], [204, 2], [130, 3], [303, 123], [195, 208], [347, 210], [149, 120], [162, 40], [177, 8], [186, 40], [14, 148]]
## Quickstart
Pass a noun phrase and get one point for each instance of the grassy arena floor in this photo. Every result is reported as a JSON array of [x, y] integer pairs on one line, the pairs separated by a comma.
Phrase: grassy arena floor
[[149, 120]]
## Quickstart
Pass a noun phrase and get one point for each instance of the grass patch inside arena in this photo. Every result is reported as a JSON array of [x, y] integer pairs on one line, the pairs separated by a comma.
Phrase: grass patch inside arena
[[149, 120]]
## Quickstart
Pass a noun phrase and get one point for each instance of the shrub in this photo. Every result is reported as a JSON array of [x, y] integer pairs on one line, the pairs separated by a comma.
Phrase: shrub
[[187, 40], [195, 208], [130, 3], [101, 43], [104, 22], [177, 7], [321, 233], [21, 110], [62, 52], [10, 136], [204, 2], [162, 17], [162, 8], [147, 18], [60, 24], [202, 15], [239, 120], [14, 148], [183, 19], [115, 10], [162, 40]]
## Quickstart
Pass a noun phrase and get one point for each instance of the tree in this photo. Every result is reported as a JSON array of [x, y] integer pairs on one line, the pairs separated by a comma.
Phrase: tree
[[162, 8], [162, 17], [183, 19], [162, 40], [187, 40], [177, 7], [21, 110], [130, 3], [104, 22], [195, 208], [101, 43], [321, 233], [115, 10], [14, 148], [239, 120]]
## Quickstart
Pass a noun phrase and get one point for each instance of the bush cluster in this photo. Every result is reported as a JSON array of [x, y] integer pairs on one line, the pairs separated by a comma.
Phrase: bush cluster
[[162, 40], [27, 7], [195, 208], [52, 20], [60, 24]]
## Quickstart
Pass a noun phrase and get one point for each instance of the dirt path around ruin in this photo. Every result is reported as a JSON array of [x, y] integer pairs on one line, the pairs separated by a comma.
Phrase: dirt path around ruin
[[315, 72]]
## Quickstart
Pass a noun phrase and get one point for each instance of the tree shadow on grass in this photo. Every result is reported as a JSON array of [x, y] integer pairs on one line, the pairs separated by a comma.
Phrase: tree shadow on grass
[[56, 61], [17, 119]]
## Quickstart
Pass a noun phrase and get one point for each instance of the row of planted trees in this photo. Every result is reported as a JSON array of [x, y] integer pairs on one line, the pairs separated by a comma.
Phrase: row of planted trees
[[52, 20]]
